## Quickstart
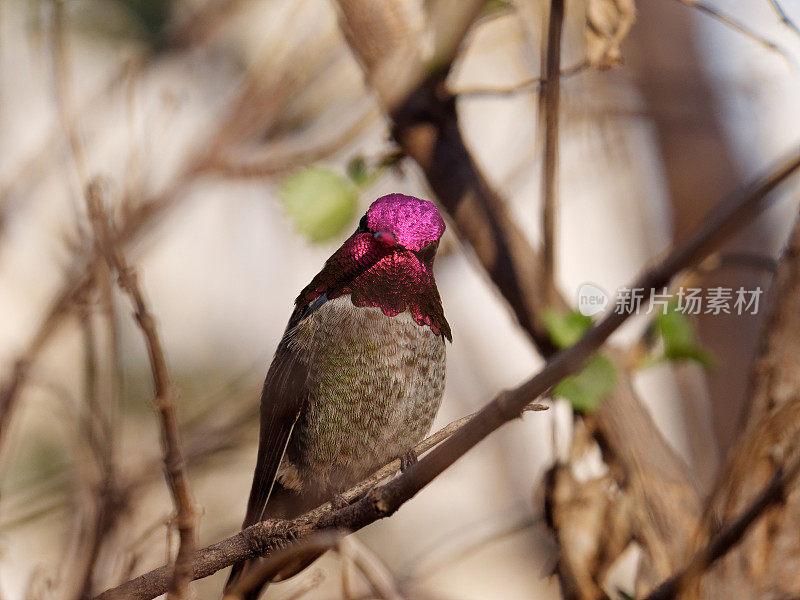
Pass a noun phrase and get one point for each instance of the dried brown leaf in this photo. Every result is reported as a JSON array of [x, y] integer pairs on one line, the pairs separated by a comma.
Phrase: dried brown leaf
[[607, 24]]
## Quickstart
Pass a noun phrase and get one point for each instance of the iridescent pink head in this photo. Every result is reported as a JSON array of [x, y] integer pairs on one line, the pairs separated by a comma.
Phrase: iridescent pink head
[[405, 220]]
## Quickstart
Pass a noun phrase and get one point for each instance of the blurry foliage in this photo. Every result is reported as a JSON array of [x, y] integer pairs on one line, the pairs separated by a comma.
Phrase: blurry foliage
[[142, 20], [565, 329], [151, 15], [357, 171], [679, 339], [37, 481], [587, 389], [493, 6], [320, 202], [38, 458]]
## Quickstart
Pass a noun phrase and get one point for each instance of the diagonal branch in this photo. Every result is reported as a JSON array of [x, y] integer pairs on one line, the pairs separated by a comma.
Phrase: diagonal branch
[[163, 400], [784, 16], [739, 26], [381, 502]]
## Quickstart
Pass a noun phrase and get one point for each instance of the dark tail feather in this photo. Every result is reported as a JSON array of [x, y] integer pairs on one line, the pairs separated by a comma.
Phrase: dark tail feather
[[283, 504], [236, 573], [291, 569]]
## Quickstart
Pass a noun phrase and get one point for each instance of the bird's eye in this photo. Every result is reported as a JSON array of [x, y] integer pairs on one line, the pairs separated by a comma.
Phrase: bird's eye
[[362, 225]]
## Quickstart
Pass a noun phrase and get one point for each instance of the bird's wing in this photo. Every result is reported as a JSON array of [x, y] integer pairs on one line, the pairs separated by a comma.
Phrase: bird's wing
[[282, 401]]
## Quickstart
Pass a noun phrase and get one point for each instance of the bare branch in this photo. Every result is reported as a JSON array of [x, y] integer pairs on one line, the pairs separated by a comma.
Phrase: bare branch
[[785, 19], [164, 393], [549, 102], [737, 25], [381, 502], [528, 85], [371, 567]]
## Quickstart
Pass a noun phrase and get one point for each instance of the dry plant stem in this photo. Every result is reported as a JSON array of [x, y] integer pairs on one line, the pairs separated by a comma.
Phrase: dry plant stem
[[740, 27], [776, 5], [311, 582], [164, 394], [549, 98], [137, 220], [371, 567], [454, 549], [9, 393], [63, 76], [380, 502], [106, 505], [730, 535], [77, 281], [532, 84]]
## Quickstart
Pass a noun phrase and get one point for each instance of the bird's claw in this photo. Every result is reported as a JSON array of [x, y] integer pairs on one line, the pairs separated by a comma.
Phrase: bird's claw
[[407, 460]]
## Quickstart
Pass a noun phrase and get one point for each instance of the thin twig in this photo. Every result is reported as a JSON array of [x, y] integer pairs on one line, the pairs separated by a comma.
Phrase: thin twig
[[785, 19], [737, 25], [528, 85], [549, 100], [308, 583], [382, 581], [106, 503], [452, 548], [164, 393], [137, 220], [62, 74], [381, 502]]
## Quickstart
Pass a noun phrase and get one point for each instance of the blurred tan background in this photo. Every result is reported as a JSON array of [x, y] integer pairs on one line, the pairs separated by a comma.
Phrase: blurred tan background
[[206, 112]]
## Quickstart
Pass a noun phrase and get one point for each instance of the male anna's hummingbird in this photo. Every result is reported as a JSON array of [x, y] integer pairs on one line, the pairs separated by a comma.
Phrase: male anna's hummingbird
[[358, 377]]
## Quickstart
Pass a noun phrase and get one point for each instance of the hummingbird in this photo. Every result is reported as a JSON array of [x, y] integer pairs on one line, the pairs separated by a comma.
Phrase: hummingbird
[[359, 374]]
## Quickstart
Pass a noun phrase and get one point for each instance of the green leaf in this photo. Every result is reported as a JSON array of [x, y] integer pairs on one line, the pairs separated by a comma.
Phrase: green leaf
[[321, 202], [587, 389], [680, 339], [357, 171], [143, 20], [497, 5], [565, 329], [153, 15]]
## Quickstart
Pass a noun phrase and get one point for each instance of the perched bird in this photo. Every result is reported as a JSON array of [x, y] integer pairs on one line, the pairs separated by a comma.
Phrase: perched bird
[[358, 377]]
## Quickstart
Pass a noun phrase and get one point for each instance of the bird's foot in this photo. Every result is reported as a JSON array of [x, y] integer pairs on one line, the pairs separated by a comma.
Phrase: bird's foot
[[407, 460]]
